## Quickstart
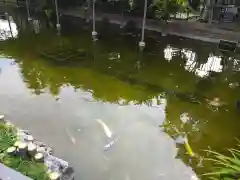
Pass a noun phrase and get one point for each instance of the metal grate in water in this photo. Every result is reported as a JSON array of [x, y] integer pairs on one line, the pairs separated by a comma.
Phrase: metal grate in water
[[62, 54]]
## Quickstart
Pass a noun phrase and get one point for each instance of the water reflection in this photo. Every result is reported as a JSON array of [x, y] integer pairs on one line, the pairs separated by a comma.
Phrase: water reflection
[[214, 63], [169, 52], [141, 152], [165, 89], [8, 29], [236, 63]]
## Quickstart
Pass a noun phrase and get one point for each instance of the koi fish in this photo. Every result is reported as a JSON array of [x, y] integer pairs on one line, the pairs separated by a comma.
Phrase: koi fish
[[71, 137], [109, 145], [105, 128]]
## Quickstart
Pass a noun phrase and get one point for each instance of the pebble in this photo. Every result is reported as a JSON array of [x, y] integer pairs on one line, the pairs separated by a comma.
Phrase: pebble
[[30, 138], [39, 156], [22, 145], [31, 147]]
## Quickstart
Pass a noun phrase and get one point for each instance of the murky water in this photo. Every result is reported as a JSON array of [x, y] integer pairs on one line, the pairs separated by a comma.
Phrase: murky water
[[116, 113]]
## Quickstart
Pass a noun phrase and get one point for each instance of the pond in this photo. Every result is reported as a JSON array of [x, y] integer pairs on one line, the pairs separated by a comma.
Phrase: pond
[[114, 112]]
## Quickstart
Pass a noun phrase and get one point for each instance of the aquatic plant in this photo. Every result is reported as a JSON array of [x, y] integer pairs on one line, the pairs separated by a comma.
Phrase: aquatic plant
[[36, 171], [26, 166], [7, 137], [225, 167]]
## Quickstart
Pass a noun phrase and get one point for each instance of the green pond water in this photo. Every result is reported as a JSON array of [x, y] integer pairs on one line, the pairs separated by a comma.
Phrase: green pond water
[[150, 101]]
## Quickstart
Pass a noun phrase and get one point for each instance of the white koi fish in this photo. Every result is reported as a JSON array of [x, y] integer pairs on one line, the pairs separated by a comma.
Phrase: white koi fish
[[105, 128], [71, 137], [109, 145]]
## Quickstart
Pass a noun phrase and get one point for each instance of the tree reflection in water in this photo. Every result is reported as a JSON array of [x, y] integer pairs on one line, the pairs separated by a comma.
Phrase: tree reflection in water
[[5, 30], [182, 79]]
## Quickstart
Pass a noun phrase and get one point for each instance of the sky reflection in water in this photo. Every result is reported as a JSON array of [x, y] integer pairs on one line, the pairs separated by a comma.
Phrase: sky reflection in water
[[41, 96]]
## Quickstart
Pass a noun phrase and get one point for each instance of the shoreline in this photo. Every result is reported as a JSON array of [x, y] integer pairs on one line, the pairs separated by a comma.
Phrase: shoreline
[[49, 161], [212, 33]]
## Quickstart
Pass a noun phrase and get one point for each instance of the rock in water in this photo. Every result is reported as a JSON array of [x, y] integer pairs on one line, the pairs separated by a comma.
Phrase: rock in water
[[68, 174], [32, 150], [39, 157], [22, 149]]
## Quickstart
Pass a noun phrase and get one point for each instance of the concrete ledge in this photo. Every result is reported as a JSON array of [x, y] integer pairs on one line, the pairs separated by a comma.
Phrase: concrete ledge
[[10, 174], [193, 30]]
